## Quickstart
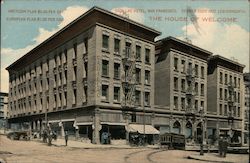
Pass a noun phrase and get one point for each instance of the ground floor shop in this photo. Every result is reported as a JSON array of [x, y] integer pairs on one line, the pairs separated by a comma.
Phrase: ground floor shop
[[104, 125]]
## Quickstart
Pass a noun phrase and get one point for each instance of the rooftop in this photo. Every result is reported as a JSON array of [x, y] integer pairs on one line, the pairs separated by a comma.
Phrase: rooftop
[[216, 60], [92, 17], [186, 47]]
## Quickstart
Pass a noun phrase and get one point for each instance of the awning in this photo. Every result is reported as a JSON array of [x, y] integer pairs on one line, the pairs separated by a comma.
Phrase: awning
[[149, 129], [83, 123], [113, 123]]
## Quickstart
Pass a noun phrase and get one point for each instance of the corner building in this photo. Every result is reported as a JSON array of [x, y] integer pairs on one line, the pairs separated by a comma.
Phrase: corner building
[[225, 99], [180, 88], [247, 108], [95, 75]]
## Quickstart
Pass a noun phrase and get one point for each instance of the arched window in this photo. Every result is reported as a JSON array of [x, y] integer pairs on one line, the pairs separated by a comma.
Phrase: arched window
[[177, 127], [188, 130]]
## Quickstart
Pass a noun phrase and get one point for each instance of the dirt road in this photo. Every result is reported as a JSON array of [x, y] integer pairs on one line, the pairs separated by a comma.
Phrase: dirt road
[[37, 152]]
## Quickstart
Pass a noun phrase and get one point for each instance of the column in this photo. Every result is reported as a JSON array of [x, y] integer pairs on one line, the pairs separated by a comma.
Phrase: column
[[193, 132], [183, 126], [96, 127], [217, 131]]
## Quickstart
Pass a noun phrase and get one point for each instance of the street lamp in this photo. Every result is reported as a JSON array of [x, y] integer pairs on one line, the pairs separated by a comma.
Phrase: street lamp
[[201, 112]]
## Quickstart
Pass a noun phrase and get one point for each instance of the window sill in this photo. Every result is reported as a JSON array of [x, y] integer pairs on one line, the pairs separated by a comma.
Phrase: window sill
[[117, 102], [105, 101], [106, 50], [104, 76], [117, 54]]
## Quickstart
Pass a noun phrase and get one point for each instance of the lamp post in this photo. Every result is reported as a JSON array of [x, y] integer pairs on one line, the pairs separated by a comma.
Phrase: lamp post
[[201, 111]]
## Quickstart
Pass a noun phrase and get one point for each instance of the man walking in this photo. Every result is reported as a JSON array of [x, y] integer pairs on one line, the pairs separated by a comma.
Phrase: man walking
[[66, 138]]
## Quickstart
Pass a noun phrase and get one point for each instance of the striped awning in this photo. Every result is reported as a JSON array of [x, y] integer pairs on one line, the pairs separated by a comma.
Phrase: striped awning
[[149, 129]]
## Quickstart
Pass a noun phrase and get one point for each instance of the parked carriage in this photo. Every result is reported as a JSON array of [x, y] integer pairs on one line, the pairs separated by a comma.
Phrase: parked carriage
[[173, 141]]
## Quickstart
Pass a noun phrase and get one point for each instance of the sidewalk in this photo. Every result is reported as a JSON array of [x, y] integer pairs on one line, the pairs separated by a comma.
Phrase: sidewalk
[[88, 145], [214, 157]]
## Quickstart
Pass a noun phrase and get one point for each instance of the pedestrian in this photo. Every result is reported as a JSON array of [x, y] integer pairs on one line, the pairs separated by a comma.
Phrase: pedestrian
[[224, 147], [220, 145], [66, 138]]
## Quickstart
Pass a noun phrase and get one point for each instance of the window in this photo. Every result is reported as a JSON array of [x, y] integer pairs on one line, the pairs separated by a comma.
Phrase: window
[[235, 82], [105, 92], [138, 53], [60, 100], [55, 102], [116, 70], [137, 97], [74, 97], [128, 50], [239, 82], [133, 117], [238, 97], [175, 103], [117, 94], [221, 77], [196, 68], [65, 55], [225, 79], [230, 80], [65, 98], [75, 74], [183, 85], [202, 89], [183, 66], [75, 51], [147, 56], [105, 68], [196, 88], [147, 98], [225, 94], [196, 105], [202, 104], [221, 94], [175, 83], [202, 72], [117, 46], [147, 77], [138, 75], [225, 110], [86, 46], [176, 64], [183, 103], [105, 41], [235, 96], [220, 109]]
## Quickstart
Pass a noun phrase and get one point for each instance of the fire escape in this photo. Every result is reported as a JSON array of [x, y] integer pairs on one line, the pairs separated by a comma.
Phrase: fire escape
[[190, 94], [128, 79], [231, 103]]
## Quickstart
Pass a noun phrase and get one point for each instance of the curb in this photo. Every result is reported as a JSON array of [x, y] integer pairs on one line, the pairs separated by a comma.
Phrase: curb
[[200, 159]]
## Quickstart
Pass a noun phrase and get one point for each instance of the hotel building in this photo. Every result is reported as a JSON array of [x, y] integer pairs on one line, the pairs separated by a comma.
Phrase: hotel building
[[181, 87], [95, 75], [225, 98]]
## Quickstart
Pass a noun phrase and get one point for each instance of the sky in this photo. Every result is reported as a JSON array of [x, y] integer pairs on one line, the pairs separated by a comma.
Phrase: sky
[[221, 27]]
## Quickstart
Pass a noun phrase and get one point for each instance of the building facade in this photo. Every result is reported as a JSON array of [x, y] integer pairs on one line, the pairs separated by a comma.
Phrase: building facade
[[3, 109], [181, 87], [225, 98], [247, 108], [95, 75]]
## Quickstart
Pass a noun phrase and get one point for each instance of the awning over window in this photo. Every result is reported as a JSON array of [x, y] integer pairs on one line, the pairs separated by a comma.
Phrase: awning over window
[[149, 129]]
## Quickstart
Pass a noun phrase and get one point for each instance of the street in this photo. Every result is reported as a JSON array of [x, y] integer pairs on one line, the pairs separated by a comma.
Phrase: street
[[12, 151]]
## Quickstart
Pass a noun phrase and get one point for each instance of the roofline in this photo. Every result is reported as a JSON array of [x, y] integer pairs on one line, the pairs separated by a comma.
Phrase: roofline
[[214, 57], [185, 43], [78, 18]]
